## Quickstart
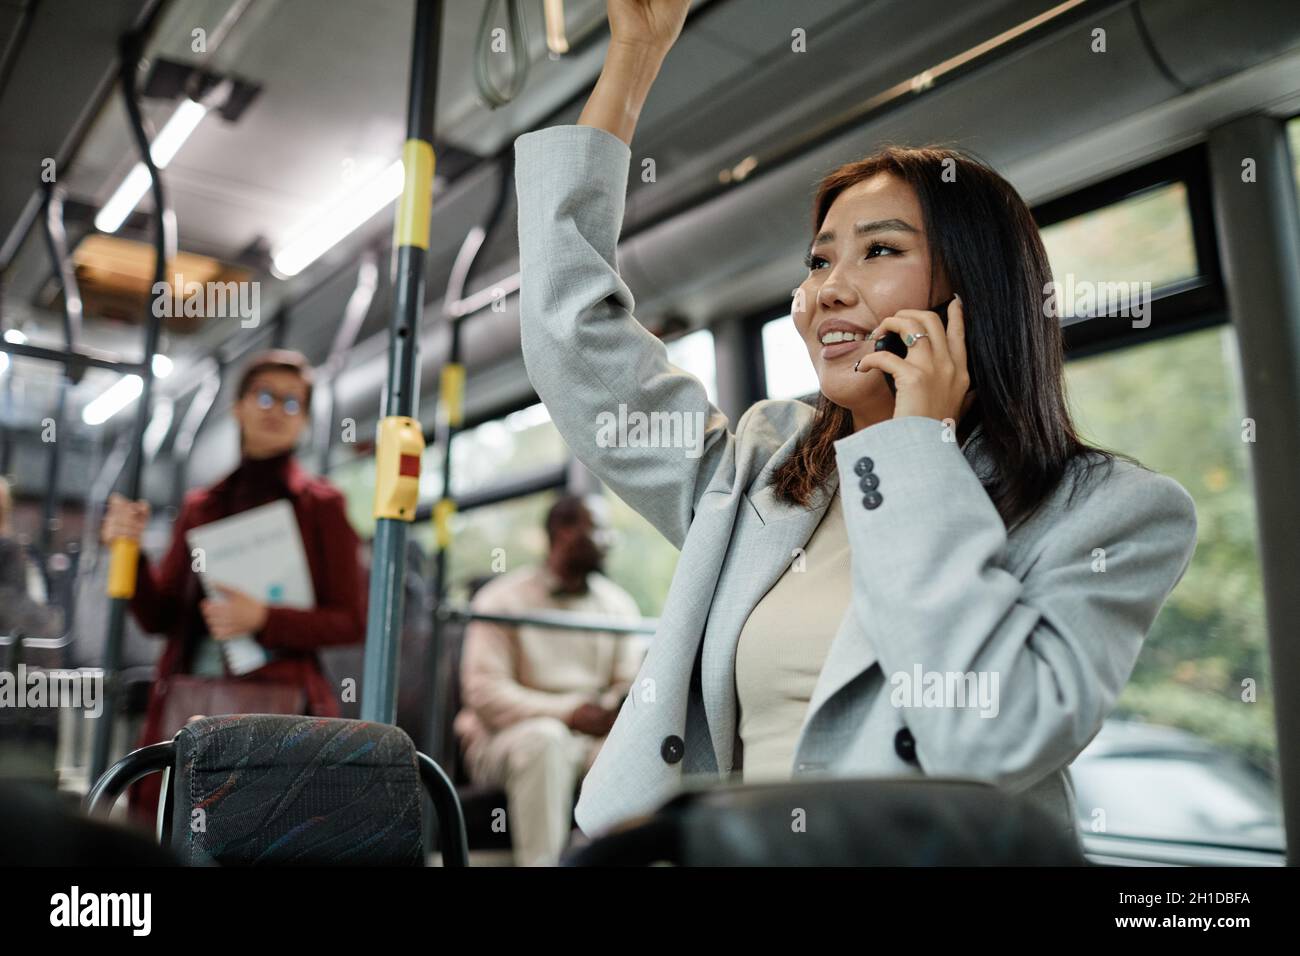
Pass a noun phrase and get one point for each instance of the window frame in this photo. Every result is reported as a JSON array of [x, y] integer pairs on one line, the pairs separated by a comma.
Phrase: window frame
[[1188, 305]]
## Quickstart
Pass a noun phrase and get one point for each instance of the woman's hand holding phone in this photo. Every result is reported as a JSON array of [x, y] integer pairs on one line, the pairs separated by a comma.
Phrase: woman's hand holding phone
[[893, 342], [932, 380]]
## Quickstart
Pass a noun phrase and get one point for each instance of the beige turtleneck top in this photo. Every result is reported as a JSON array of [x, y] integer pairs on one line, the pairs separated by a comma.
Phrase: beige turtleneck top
[[783, 645]]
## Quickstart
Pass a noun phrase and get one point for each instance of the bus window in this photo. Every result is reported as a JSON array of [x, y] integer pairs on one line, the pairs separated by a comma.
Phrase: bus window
[[788, 372], [1146, 238], [694, 353], [640, 560], [356, 479], [492, 539], [499, 450], [1176, 405]]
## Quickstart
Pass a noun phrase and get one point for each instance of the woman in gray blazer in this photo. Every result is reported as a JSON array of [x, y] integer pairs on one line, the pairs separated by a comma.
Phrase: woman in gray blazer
[[942, 580]]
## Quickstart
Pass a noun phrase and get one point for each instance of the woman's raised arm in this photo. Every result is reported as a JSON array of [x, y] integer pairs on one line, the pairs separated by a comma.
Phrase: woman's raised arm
[[643, 426], [641, 34]]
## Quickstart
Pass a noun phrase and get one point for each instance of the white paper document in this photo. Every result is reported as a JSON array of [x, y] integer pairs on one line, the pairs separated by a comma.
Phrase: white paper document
[[259, 552]]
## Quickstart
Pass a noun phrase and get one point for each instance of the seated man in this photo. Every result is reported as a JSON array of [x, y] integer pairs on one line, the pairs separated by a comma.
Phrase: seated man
[[539, 701]]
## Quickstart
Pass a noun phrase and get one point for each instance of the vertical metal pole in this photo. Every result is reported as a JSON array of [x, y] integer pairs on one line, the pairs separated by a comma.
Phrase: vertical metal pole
[[451, 417], [125, 554], [57, 244], [49, 519], [452, 394], [388, 567], [6, 438], [1259, 240]]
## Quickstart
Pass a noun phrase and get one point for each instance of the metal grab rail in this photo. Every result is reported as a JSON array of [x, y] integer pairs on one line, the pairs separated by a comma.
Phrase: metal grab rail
[[453, 837], [36, 643], [559, 620], [111, 784], [76, 360]]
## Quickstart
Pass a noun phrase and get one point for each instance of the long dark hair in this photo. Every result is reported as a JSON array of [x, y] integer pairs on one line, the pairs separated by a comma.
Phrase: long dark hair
[[984, 238]]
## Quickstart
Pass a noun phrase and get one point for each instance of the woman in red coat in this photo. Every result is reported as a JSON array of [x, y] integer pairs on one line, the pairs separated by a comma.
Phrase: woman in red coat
[[270, 407]]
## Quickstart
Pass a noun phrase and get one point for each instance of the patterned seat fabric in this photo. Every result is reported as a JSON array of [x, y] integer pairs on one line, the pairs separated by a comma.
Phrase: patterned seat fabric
[[266, 789]]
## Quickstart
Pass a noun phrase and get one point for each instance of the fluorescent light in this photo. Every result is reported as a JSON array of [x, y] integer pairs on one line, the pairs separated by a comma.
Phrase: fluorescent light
[[122, 393], [127, 197], [176, 132], [125, 391], [322, 233], [165, 146]]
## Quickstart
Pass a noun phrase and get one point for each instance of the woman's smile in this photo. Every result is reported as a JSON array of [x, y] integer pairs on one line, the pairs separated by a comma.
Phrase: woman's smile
[[839, 338]]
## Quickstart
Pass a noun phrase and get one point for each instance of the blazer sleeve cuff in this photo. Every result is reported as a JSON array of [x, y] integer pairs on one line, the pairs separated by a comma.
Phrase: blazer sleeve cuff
[[928, 542], [917, 464]]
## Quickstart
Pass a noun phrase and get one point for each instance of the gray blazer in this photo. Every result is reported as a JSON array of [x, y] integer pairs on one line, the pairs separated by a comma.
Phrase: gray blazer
[[1055, 611]]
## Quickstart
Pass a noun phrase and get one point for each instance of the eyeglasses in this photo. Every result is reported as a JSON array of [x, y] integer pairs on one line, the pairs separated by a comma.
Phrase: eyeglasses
[[268, 399]]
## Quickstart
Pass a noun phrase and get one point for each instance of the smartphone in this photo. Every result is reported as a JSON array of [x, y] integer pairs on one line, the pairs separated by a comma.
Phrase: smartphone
[[893, 342]]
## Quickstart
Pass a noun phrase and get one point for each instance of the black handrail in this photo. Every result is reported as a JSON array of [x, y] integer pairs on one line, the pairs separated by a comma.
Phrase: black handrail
[[139, 763], [453, 838]]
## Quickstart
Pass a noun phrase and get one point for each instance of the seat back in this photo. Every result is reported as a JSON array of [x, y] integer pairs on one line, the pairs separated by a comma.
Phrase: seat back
[[268, 789], [847, 822]]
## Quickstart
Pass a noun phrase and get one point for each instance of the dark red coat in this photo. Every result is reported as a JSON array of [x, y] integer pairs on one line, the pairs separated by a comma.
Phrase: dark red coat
[[167, 597]]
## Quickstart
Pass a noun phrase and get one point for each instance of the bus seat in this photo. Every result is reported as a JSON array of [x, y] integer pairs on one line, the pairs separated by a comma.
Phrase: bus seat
[[271, 789], [842, 822], [480, 803]]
